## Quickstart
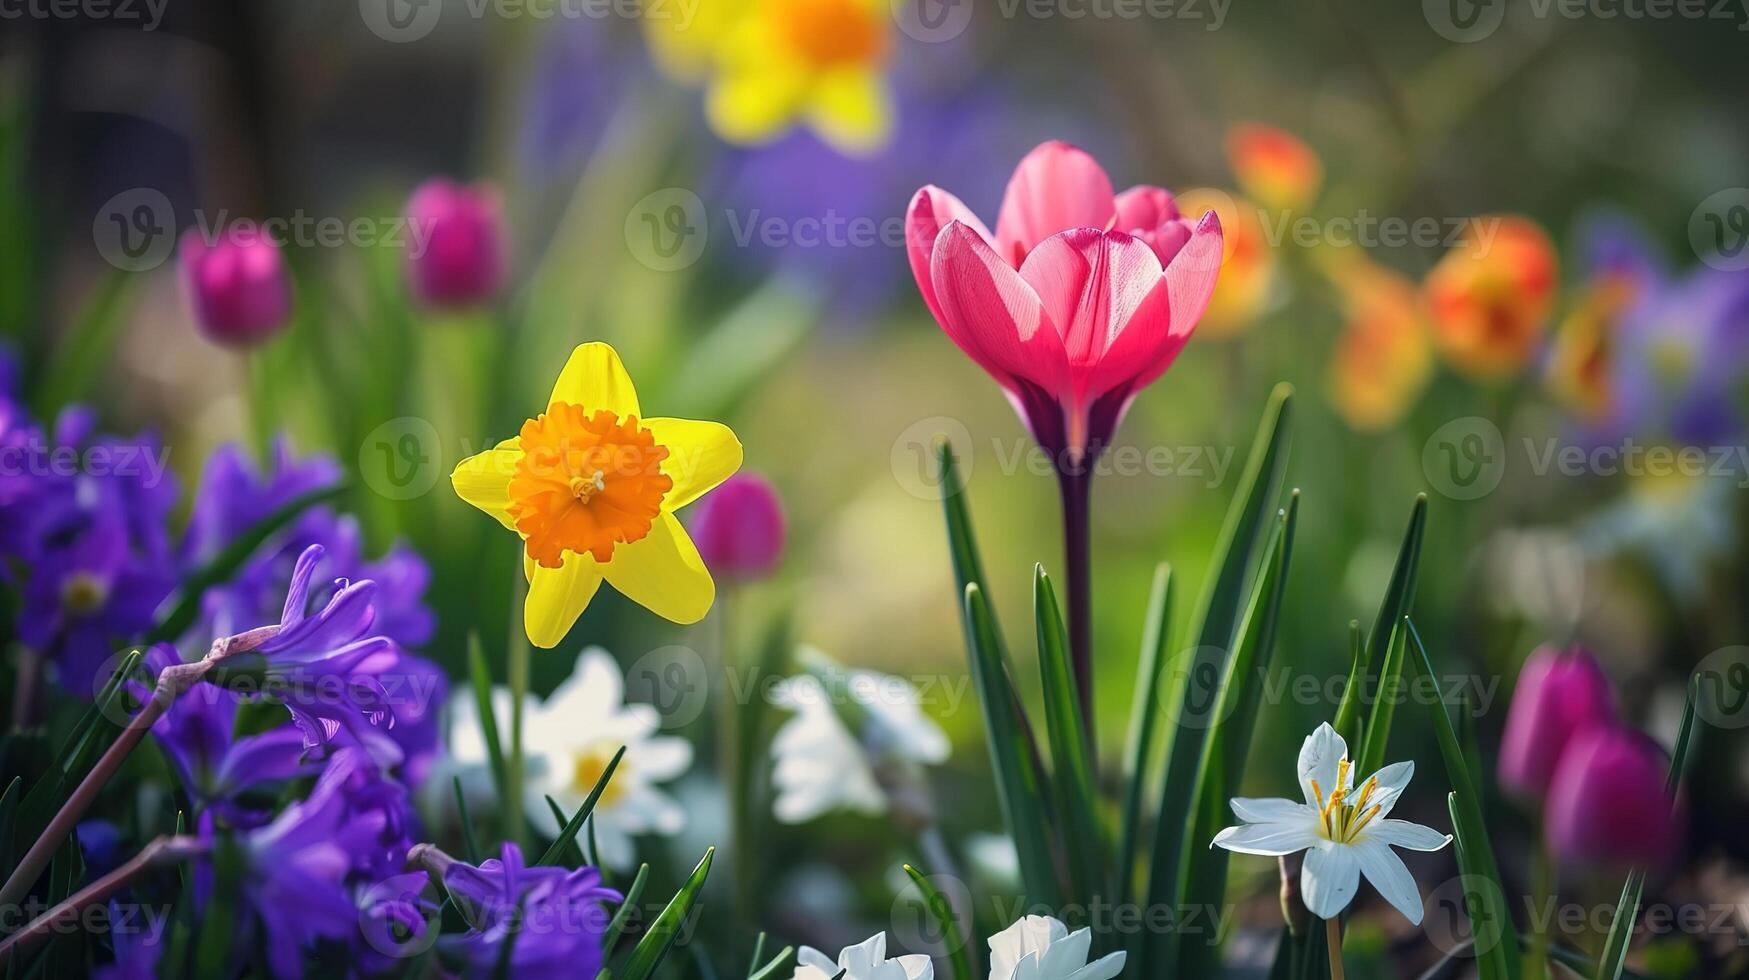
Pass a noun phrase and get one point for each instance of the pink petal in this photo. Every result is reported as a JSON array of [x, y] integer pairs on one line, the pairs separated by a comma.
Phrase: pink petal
[[992, 314], [1056, 187], [1144, 208], [930, 211], [1092, 283], [1190, 281]]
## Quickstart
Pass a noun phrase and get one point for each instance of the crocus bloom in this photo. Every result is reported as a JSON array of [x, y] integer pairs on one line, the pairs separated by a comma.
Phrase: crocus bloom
[[1383, 358], [237, 285], [739, 529], [1561, 694], [1489, 298], [458, 255], [591, 487], [820, 765], [1345, 831], [864, 961], [1039, 947], [575, 733], [1274, 166], [1607, 802], [1249, 280], [1079, 299], [553, 916]]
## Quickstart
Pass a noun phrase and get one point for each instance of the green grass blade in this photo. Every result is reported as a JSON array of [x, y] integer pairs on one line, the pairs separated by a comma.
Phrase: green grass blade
[[1018, 788], [481, 677], [1072, 778], [1144, 725], [771, 970], [958, 956], [575, 850], [1229, 744], [1468, 825], [1399, 596], [663, 932], [89, 347], [569, 834], [470, 844], [1245, 525], [622, 915], [1377, 733], [76, 756], [1627, 908]]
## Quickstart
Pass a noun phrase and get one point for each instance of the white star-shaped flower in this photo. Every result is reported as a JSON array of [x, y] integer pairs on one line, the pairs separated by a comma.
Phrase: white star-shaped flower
[[865, 961], [1344, 831], [1038, 947]]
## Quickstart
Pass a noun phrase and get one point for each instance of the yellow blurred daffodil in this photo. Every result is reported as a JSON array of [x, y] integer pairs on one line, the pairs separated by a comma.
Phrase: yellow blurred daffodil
[[1248, 280], [591, 487]]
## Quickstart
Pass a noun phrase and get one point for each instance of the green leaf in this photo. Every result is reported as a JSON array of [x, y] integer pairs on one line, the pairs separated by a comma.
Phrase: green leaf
[[1377, 733], [1399, 596], [1144, 717], [569, 834], [663, 932], [1217, 611], [771, 970], [1229, 743], [470, 846], [93, 733], [574, 851], [1017, 785], [1072, 780], [617, 926], [941, 910], [1627, 908], [72, 371], [481, 676], [186, 605], [1475, 853]]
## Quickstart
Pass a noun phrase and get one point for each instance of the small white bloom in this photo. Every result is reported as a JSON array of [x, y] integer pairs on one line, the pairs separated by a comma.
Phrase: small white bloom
[[572, 737], [821, 766], [1039, 947], [867, 961], [1344, 832]]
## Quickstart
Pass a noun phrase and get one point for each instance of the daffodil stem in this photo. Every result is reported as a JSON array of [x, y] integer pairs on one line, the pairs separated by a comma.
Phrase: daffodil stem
[[1333, 941], [1076, 484], [730, 747], [516, 670]]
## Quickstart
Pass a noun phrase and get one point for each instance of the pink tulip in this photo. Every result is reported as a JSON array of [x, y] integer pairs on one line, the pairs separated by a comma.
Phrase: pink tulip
[[1079, 300], [1607, 802], [1560, 695], [237, 285], [739, 528], [458, 256]]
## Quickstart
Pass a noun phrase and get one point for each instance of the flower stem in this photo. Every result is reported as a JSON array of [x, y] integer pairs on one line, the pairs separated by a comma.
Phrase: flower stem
[[161, 851], [729, 762], [1333, 942], [517, 675], [1076, 485]]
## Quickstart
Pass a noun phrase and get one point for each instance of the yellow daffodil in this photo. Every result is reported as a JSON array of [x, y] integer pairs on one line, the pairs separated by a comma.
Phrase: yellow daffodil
[[591, 487]]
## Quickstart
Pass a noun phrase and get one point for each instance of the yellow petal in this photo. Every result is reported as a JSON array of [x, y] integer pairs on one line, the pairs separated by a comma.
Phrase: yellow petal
[[595, 379], [663, 573], [483, 480], [850, 109], [700, 456], [755, 99], [557, 596]]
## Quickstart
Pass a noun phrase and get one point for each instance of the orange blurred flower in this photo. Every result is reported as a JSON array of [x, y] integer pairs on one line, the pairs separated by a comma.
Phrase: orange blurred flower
[[1580, 359], [1383, 358], [1274, 166], [1489, 298], [1248, 274]]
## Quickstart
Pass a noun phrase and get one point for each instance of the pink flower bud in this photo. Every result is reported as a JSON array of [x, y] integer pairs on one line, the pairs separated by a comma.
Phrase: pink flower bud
[[457, 247], [739, 528], [1560, 695], [237, 285], [1607, 801]]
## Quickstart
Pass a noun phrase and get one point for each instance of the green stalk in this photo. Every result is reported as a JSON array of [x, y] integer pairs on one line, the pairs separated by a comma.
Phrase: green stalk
[[517, 675]]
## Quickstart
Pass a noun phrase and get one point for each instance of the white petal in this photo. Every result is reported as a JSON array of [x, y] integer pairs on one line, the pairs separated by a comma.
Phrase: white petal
[[916, 966], [1320, 758], [1106, 968], [1329, 879], [1391, 877], [1028, 936], [1067, 955], [1392, 780], [1268, 839], [1402, 833], [661, 759], [1272, 811]]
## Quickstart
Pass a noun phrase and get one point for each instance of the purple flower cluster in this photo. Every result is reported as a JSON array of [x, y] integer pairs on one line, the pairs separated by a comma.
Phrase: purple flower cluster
[[553, 917]]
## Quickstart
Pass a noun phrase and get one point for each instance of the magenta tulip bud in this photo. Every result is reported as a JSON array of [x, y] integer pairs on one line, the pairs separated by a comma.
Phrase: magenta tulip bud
[[456, 256], [237, 285], [739, 528], [1560, 695], [1607, 801]]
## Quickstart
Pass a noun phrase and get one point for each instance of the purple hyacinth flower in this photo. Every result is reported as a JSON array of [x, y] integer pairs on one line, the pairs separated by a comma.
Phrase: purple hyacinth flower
[[136, 941], [553, 916]]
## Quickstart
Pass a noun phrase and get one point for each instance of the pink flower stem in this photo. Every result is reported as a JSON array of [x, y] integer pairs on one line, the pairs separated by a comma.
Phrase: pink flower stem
[[1076, 484], [173, 682], [161, 851]]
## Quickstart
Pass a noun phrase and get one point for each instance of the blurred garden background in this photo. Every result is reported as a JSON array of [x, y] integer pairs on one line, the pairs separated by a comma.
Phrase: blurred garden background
[[1498, 250]]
